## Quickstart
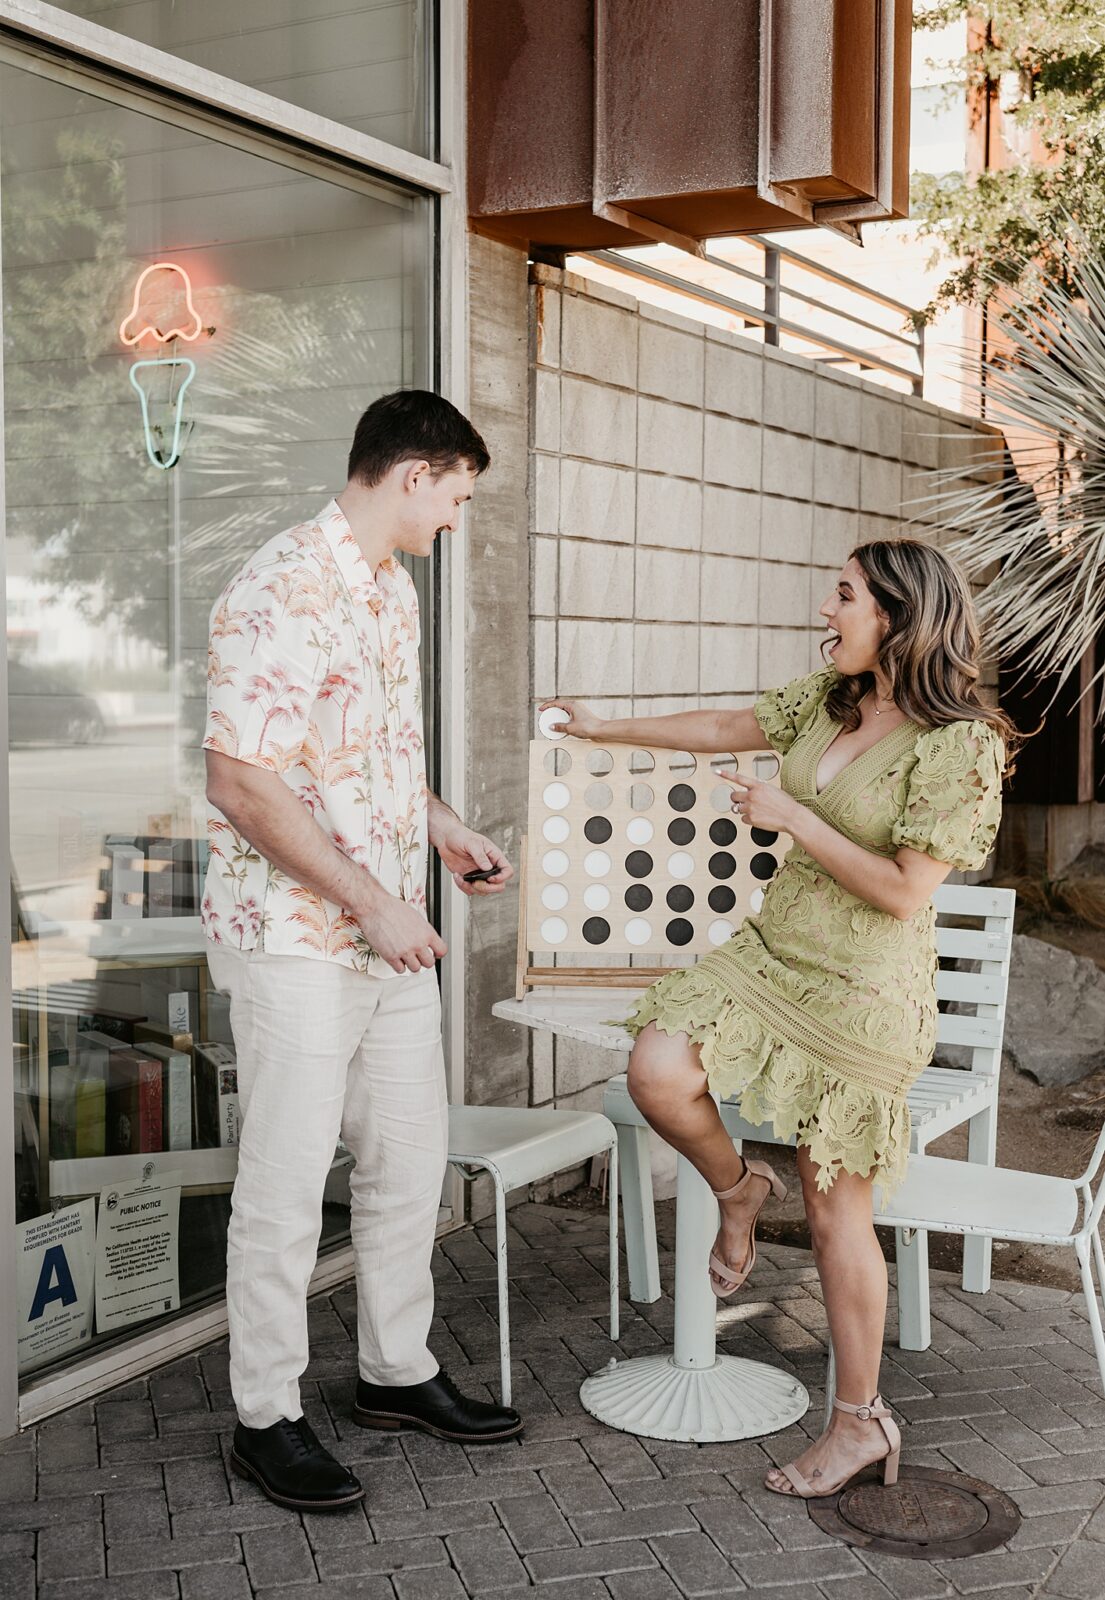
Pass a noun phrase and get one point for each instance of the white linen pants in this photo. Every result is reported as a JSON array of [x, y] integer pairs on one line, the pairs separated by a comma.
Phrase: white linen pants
[[322, 1051]]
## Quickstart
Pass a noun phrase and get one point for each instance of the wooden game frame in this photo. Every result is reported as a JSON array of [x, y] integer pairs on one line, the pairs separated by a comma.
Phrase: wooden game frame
[[693, 779]]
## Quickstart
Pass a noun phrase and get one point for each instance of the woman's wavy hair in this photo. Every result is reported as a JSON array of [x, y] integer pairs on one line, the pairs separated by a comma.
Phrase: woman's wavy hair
[[929, 653]]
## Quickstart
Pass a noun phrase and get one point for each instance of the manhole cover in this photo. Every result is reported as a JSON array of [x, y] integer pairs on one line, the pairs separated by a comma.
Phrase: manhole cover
[[925, 1516]]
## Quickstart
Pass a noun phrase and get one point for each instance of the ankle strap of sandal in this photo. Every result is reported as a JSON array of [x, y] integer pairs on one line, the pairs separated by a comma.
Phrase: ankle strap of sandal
[[728, 1194], [865, 1413]]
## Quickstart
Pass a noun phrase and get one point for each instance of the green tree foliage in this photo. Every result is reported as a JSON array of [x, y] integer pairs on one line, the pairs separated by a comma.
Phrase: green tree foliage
[[1048, 57]]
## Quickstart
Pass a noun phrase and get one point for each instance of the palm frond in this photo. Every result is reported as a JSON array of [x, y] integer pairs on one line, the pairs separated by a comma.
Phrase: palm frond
[[1037, 538]]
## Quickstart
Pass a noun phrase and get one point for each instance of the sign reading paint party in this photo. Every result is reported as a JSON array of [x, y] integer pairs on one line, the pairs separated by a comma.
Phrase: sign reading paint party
[[137, 1259], [56, 1262]]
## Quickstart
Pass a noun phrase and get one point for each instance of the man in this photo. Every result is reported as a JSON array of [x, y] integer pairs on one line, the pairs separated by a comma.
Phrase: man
[[316, 912]]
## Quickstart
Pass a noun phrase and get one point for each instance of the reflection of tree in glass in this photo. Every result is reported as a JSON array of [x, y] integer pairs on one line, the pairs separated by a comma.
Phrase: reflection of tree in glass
[[269, 431]]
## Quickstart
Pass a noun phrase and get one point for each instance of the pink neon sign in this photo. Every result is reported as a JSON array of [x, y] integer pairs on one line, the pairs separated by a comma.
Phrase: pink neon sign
[[131, 329]]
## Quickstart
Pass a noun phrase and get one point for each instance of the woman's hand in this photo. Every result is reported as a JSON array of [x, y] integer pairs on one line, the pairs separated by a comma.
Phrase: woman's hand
[[763, 805], [581, 722]]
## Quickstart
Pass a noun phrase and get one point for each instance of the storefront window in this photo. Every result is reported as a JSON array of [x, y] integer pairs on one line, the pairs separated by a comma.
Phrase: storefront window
[[362, 62], [190, 332]]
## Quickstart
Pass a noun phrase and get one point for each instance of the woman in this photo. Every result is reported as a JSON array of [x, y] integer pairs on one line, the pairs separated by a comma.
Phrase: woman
[[820, 1012]]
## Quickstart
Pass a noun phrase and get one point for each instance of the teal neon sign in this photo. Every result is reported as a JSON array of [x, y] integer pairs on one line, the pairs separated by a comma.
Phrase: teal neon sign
[[172, 456]]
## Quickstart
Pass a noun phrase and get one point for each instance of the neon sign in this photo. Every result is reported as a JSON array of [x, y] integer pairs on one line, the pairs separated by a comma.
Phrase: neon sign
[[193, 327], [178, 408], [140, 323]]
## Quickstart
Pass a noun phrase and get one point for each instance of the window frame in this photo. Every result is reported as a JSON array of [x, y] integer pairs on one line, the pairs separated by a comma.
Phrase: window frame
[[65, 48]]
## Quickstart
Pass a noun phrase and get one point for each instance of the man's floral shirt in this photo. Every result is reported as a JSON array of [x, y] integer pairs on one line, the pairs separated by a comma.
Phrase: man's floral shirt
[[313, 674]]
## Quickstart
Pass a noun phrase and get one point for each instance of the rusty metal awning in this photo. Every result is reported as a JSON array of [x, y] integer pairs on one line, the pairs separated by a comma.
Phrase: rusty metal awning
[[604, 122]]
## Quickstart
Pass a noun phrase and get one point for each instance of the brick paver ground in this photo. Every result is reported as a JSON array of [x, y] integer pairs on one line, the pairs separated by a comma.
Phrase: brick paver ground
[[129, 1498]]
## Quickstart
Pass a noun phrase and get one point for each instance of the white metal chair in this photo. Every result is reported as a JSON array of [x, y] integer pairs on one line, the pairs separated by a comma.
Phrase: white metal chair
[[942, 1098], [986, 1203], [518, 1146]]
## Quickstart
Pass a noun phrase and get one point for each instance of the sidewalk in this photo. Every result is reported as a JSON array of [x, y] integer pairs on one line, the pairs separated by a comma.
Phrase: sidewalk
[[128, 1498]]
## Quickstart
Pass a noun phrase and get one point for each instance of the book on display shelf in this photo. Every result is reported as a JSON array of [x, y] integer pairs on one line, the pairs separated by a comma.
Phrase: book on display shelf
[[122, 889], [78, 1110], [82, 1101], [159, 878], [176, 1086], [134, 1104], [215, 1085], [154, 875], [162, 1034]]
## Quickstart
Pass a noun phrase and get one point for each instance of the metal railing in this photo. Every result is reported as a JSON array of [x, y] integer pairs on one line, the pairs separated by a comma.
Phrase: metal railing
[[909, 362]]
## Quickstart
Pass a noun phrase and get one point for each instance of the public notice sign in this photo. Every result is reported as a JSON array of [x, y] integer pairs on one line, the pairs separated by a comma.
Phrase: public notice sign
[[56, 1263], [137, 1255]]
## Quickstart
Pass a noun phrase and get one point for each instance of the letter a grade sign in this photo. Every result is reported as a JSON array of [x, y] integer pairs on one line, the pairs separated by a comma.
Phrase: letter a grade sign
[[56, 1264]]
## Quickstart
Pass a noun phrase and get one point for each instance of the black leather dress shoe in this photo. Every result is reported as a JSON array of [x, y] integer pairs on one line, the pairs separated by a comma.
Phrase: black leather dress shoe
[[288, 1464], [436, 1406]]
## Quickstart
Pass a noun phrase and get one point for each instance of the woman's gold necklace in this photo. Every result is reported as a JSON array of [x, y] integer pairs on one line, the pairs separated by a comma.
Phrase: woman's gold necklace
[[875, 701]]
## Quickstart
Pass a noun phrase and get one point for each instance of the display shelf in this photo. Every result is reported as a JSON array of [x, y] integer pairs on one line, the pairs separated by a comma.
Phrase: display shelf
[[52, 975]]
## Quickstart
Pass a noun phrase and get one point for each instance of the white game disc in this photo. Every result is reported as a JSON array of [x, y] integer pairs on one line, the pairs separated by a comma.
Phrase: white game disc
[[554, 896], [556, 796], [638, 931], [639, 830], [681, 865], [554, 863], [596, 863], [721, 931], [554, 930], [596, 897], [550, 722], [555, 830]]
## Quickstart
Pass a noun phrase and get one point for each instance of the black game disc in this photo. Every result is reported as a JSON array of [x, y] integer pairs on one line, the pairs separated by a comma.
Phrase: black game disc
[[680, 898], [762, 866], [638, 897], [722, 865], [596, 930], [681, 797], [679, 931], [681, 831], [638, 863], [761, 836], [723, 832], [722, 898], [597, 829]]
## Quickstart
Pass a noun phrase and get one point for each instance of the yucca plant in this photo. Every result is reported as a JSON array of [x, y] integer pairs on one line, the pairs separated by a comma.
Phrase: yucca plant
[[1043, 528]]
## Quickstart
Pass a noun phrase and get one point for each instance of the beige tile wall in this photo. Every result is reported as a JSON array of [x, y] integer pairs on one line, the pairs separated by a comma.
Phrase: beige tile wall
[[692, 498]]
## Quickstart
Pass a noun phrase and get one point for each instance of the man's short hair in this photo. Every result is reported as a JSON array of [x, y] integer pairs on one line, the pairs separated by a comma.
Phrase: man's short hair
[[414, 425]]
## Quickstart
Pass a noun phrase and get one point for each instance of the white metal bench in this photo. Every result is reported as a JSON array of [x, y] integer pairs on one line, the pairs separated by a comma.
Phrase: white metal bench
[[942, 1098]]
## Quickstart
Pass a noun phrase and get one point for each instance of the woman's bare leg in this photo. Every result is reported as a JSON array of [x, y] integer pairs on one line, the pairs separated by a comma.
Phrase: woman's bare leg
[[853, 1279], [669, 1088]]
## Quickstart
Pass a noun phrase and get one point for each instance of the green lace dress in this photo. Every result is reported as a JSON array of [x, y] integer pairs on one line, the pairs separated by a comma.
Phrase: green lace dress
[[820, 1012]]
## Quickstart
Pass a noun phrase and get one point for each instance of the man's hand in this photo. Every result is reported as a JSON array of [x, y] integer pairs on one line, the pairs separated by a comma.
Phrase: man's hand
[[463, 850], [400, 934]]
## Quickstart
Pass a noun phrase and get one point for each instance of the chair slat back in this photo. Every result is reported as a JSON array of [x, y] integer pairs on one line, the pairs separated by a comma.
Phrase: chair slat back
[[982, 1031], [971, 944], [974, 988], [991, 947]]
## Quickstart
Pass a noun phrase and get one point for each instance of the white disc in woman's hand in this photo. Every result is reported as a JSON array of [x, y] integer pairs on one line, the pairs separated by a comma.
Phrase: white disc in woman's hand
[[551, 722]]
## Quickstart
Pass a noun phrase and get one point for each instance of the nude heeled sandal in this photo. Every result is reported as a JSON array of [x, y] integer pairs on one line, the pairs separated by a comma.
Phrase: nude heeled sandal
[[721, 1269], [887, 1464]]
